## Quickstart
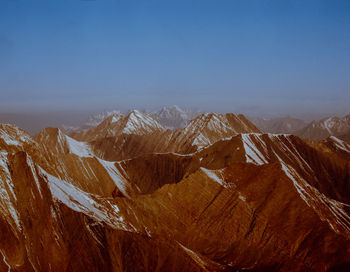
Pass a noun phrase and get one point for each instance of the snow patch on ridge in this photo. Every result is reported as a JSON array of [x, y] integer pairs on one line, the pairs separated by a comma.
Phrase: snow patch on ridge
[[328, 124], [329, 210], [7, 195], [194, 256], [340, 144], [9, 140], [32, 168], [115, 118], [253, 155], [213, 174], [138, 121], [81, 149], [83, 202], [13, 136], [216, 175], [115, 175]]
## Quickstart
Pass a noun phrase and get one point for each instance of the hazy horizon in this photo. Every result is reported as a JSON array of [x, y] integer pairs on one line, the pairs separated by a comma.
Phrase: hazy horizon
[[254, 57], [35, 121]]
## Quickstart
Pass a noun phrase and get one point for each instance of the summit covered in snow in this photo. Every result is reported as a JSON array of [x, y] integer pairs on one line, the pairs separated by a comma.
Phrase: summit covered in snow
[[174, 117], [169, 117]]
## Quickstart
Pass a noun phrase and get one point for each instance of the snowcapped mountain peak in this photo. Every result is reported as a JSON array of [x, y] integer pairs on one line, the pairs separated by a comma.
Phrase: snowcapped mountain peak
[[174, 117], [169, 117], [169, 112], [176, 107], [329, 126], [95, 120], [172, 110], [113, 118], [136, 122], [135, 113], [55, 139]]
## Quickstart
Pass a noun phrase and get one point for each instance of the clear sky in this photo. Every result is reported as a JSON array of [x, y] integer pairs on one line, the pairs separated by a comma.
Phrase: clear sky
[[260, 56]]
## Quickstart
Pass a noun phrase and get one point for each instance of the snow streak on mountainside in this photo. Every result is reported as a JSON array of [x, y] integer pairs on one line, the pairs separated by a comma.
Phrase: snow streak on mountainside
[[13, 136], [208, 128]]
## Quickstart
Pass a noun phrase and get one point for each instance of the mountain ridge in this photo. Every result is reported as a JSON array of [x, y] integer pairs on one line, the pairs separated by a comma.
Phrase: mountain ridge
[[216, 195]]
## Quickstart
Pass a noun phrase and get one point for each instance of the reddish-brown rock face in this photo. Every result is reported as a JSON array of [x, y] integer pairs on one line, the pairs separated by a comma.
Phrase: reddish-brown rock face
[[216, 195], [137, 134]]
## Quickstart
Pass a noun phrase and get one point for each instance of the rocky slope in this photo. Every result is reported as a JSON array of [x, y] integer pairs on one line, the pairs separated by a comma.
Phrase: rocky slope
[[130, 136], [217, 195], [326, 127], [135, 123], [279, 125]]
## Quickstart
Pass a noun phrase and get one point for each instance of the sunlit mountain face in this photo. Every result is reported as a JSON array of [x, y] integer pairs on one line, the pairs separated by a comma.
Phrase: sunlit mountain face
[[174, 190]]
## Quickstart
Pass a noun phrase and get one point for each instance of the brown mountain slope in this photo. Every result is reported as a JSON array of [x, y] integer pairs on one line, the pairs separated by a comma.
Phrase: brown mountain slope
[[207, 129], [326, 171], [202, 131], [75, 162], [134, 123], [250, 202], [244, 216], [61, 228], [326, 127]]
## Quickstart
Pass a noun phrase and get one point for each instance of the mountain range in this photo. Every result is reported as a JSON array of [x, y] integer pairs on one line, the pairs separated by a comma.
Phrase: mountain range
[[326, 127], [170, 117], [135, 192], [174, 118]]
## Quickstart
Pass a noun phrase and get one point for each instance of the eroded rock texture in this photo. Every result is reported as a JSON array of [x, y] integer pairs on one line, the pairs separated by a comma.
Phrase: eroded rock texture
[[130, 195]]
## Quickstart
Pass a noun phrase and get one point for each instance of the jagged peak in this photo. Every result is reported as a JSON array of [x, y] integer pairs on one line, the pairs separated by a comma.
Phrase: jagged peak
[[12, 135], [50, 134], [339, 144], [63, 143], [213, 121], [136, 120], [51, 131], [133, 112], [205, 117], [113, 118]]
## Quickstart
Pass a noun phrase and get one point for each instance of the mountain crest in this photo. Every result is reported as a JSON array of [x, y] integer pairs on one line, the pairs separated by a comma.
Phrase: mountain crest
[[11, 135], [136, 122]]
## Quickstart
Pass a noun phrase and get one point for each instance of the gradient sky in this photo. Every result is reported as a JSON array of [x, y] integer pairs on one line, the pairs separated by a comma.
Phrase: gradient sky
[[259, 56]]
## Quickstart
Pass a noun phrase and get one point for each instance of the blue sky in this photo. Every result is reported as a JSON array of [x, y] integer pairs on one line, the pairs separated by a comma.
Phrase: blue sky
[[271, 57]]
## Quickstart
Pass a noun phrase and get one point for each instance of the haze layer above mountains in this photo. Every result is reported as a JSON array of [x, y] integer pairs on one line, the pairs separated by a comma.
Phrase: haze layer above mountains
[[175, 117]]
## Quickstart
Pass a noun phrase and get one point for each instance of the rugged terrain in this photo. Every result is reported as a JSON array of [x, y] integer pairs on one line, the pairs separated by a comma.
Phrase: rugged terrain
[[326, 127], [279, 124], [130, 194]]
